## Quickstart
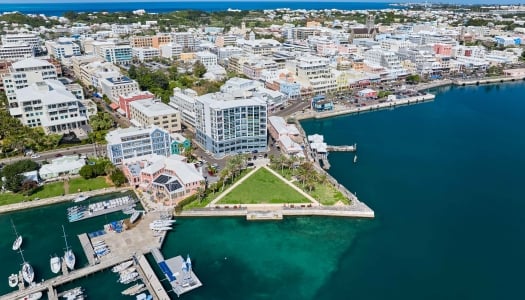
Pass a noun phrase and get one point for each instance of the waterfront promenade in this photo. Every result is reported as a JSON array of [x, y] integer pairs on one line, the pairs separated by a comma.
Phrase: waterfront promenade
[[58, 199]]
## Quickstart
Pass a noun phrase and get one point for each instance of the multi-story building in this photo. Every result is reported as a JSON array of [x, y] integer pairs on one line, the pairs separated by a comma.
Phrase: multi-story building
[[184, 102], [185, 39], [386, 59], [207, 58], [4, 69], [154, 112], [92, 73], [168, 179], [225, 125], [170, 50], [16, 51], [136, 142], [78, 61], [145, 53], [32, 39], [50, 105], [139, 41], [260, 47], [24, 73], [125, 100], [313, 72], [113, 87], [226, 40], [224, 53], [63, 48], [118, 54]]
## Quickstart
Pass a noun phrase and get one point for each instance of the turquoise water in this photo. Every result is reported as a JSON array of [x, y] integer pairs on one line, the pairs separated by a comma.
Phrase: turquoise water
[[444, 178]]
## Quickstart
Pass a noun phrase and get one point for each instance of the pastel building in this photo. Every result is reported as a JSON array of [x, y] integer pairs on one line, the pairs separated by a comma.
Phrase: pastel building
[[286, 135], [168, 179], [63, 48], [125, 100], [136, 142], [113, 87], [154, 112]]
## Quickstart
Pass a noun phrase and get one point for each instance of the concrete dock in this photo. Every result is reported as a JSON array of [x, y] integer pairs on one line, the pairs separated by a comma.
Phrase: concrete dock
[[128, 202], [149, 278], [181, 278], [88, 248]]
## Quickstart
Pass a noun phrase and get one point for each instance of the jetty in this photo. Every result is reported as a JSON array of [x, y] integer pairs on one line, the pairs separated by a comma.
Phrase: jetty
[[179, 274], [129, 244], [343, 148], [106, 207], [479, 81]]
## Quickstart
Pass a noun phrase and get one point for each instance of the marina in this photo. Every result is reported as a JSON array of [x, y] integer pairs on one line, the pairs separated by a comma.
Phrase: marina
[[82, 212]]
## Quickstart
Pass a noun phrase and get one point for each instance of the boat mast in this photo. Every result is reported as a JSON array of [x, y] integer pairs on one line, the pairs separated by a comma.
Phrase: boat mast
[[22, 254], [13, 223], [65, 237]]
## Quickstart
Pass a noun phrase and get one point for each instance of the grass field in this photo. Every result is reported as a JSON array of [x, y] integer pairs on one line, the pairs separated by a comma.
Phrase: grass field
[[263, 187], [83, 185], [46, 191]]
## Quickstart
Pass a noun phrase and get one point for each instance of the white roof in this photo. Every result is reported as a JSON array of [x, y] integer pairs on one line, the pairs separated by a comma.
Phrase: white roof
[[153, 108], [115, 136], [315, 138], [30, 63], [282, 128], [62, 165], [49, 91], [289, 145]]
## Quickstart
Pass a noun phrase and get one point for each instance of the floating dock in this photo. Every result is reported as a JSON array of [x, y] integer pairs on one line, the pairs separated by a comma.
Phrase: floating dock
[[343, 148], [182, 280], [89, 213], [149, 278], [88, 248]]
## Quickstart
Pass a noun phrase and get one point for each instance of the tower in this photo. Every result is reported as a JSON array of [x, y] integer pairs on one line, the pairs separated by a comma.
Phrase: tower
[[370, 23]]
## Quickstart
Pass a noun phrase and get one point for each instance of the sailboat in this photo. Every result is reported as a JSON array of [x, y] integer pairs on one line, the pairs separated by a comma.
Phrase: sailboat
[[27, 270], [18, 241], [54, 262], [69, 256]]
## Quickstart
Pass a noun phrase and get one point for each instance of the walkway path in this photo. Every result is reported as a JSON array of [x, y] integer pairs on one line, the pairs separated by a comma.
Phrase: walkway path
[[293, 186], [233, 186]]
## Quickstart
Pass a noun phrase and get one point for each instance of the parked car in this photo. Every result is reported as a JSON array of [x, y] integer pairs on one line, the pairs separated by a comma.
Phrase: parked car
[[34, 155], [58, 155]]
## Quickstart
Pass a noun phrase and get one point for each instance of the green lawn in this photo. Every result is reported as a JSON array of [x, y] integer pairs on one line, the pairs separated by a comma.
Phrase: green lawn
[[84, 185], [46, 191], [326, 194], [263, 187]]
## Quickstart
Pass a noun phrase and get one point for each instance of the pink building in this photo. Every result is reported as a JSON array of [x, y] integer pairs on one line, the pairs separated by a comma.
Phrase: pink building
[[168, 179], [443, 49], [124, 100]]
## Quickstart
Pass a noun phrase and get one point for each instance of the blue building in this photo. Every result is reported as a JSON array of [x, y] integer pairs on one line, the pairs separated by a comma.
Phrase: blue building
[[135, 142], [507, 40], [292, 90], [319, 103]]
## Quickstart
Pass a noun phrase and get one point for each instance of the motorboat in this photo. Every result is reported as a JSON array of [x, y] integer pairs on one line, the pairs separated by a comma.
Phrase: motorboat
[[129, 277], [135, 216], [13, 280], [134, 289], [122, 266], [144, 296], [355, 158], [54, 262], [73, 293], [18, 241], [160, 228], [33, 296], [69, 256], [80, 198], [127, 271]]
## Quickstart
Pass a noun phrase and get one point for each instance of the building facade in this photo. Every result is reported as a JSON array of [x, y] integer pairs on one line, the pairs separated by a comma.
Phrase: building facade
[[154, 112]]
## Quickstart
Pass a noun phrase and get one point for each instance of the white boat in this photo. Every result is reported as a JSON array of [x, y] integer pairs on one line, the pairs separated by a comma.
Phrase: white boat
[[73, 293], [160, 227], [69, 256], [127, 271], [13, 280], [33, 296], [122, 266], [54, 262], [355, 158], [80, 198], [134, 289], [135, 216], [128, 277], [28, 273], [144, 296], [18, 241]]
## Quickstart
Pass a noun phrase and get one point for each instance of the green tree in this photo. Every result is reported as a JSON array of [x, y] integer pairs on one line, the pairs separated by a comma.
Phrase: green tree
[[19, 167], [118, 178], [14, 183], [87, 172], [198, 69]]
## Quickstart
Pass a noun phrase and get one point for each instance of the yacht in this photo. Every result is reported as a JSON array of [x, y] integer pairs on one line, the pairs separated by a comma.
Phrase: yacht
[[33, 296], [27, 270], [13, 280], [122, 266], [80, 198], [73, 293], [135, 216], [54, 262], [129, 277], [69, 256], [18, 241], [134, 289]]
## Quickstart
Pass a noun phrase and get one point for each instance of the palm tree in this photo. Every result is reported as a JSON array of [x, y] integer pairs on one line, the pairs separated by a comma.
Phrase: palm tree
[[109, 168], [224, 175]]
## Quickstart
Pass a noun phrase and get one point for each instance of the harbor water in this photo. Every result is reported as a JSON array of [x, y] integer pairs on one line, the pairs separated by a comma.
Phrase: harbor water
[[443, 177]]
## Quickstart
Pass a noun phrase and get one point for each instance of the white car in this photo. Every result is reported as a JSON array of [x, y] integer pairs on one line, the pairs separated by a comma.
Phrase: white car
[[35, 156]]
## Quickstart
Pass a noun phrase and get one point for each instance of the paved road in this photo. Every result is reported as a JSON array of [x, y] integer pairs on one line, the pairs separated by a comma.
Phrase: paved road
[[88, 150]]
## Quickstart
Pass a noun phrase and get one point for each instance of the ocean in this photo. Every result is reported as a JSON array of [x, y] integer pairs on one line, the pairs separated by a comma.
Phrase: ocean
[[445, 181], [58, 9]]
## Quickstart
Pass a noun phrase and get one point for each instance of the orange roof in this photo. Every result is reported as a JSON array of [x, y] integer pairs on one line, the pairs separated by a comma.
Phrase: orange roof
[[114, 106]]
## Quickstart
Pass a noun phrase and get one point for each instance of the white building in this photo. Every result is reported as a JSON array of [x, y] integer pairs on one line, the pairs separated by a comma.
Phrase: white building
[[225, 125], [23, 73], [226, 52], [207, 58], [63, 48], [118, 54], [145, 53], [113, 87], [259, 47], [313, 72], [32, 39], [50, 105], [154, 112], [170, 50], [385, 59], [62, 166], [16, 51], [184, 102]]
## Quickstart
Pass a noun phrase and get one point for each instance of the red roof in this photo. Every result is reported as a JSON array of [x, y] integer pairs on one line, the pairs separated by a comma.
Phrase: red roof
[[114, 106]]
